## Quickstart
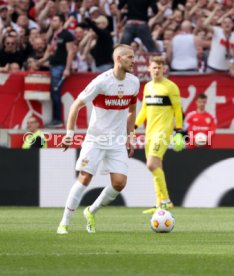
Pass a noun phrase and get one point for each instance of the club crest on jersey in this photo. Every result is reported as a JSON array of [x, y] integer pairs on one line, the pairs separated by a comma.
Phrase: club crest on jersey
[[208, 120], [84, 162], [120, 94]]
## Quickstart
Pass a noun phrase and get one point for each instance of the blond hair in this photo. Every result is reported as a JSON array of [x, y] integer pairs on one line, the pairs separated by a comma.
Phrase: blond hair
[[158, 59], [102, 19]]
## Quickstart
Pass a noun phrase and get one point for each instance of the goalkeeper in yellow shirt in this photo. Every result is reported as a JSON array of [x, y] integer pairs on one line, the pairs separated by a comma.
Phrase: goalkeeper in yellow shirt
[[161, 108]]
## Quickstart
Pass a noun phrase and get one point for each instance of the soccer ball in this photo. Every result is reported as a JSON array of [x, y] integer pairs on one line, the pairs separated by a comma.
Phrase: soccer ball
[[162, 221], [200, 139]]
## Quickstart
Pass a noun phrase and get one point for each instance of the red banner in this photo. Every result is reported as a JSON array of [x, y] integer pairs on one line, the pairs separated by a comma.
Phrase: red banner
[[14, 109]]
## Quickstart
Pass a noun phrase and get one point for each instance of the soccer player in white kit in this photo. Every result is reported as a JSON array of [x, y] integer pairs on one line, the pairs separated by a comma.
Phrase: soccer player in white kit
[[114, 96]]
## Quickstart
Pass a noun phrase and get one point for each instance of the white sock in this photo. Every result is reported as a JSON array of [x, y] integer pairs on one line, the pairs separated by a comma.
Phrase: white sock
[[107, 195], [73, 201]]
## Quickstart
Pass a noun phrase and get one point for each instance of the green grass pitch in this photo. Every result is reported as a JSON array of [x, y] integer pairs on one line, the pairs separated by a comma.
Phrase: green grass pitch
[[202, 243]]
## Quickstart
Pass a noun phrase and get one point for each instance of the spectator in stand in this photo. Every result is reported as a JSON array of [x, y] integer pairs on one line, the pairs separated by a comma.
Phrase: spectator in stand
[[114, 19], [36, 6], [94, 13], [137, 46], [87, 4], [110, 10], [14, 68], [201, 59], [38, 51], [222, 46], [33, 34], [200, 121], [157, 32], [60, 53], [102, 50], [164, 12], [63, 8], [10, 52], [36, 139], [21, 8], [76, 13], [5, 19], [45, 16], [24, 44], [183, 49], [165, 6], [31, 65], [79, 34], [163, 21], [162, 39], [23, 22], [83, 61], [85, 8], [136, 25], [71, 22], [38, 48], [178, 17], [175, 20], [8, 31], [168, 34]]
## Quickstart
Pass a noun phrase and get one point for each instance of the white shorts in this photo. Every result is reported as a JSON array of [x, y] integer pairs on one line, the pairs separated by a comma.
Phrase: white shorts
[[114, 160]]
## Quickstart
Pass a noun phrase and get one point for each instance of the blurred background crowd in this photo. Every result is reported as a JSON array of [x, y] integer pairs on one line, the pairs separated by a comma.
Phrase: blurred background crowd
[[193, 35]]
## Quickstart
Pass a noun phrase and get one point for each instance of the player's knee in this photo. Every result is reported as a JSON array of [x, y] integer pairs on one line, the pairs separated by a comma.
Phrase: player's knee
[[154, 163], [152, 166], [85, 178], [119, 183], [119, 186]]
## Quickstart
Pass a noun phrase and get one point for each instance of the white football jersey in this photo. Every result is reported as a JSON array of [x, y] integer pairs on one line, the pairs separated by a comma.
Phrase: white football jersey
[[111, 99]]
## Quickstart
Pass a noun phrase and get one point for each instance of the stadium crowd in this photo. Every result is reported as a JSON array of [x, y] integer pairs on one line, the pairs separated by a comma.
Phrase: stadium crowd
[[194, 35]]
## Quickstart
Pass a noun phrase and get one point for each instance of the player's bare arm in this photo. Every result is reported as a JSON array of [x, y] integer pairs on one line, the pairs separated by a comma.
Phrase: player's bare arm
[[72, 117], [130, 128]]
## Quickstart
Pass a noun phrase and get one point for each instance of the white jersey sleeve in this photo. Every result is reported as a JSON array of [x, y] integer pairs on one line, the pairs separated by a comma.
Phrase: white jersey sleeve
[[91, 91]]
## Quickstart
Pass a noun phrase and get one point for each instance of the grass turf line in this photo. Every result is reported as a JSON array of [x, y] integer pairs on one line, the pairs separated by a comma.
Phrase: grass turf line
[[202, 243]]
